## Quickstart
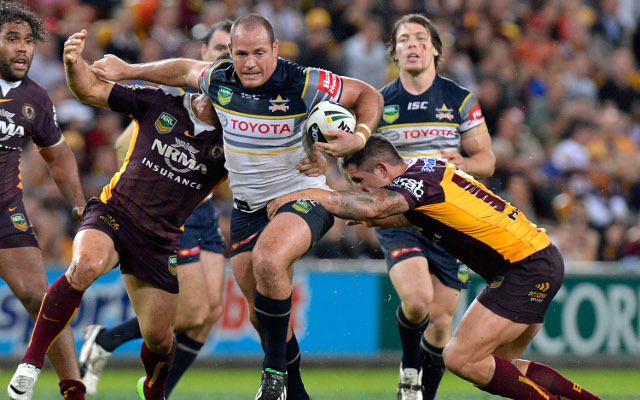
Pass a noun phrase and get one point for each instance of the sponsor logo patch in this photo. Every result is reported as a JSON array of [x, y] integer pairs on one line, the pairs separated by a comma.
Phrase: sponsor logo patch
[[414, 186], [444, 113], [398, 252], [111, 221], [224, 95], [19, 221], [165, 123], [497, 281], [173, 264], [429, 164], [390, 113], [539, 296], [243, 241], [475, 114], [329, 83]]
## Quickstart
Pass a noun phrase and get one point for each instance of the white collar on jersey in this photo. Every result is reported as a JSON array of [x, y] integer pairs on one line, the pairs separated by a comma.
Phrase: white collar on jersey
[[198, 126], [6, 86]]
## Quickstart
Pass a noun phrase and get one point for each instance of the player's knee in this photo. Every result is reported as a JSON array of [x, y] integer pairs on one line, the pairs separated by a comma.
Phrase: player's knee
[[416, 305], [440, 324], [159, 341], [83, 272], [267, 265], [215, 314]]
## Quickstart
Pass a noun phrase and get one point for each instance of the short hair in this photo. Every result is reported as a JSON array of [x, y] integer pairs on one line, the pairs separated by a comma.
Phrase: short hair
[[378, 148], [419, 19], [13, 12], [218, 26], [251, 21]]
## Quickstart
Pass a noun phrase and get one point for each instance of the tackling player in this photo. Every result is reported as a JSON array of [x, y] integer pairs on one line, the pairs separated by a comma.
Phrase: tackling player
[[523, 269], [175, 160], [262, 101], [426, 115], [26, 112]]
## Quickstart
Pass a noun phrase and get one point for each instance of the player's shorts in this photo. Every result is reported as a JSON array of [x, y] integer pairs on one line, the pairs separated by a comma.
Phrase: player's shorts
[[246, 227], [15, 227], [148, 257], [399, 244], [201, 231], [523, 291]]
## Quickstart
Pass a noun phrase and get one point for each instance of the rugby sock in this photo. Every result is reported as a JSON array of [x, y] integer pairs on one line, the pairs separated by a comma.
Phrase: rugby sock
[[296, 387], [557, 384], [187, 350], [432, 368], [508, 382], [410, 334], [273, 316], [157, 367], [72, 389], [111, 338], [58, 308]]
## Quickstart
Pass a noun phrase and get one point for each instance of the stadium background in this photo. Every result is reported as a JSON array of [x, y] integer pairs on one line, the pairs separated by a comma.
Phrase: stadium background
[[559, 86]]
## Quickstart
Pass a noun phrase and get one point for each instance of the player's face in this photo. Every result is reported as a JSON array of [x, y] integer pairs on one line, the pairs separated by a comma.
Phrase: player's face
[[17, 45], [218, 44], [254, 56], [367, 181], [414, 50]]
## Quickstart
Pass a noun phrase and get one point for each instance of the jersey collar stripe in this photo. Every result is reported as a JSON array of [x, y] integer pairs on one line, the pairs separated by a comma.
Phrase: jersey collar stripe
[[259, 116], [464, 102], [261, 154]]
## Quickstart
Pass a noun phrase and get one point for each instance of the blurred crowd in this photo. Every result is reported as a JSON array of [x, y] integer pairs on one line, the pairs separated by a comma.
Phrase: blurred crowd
[[558, 82]]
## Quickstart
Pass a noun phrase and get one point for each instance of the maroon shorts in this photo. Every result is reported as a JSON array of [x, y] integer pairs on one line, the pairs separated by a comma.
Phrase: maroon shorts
[[523, 291], [149, 258], [15, 227]]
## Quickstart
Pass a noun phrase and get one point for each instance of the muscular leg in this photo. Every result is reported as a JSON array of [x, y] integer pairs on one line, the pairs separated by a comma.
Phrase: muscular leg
[[156, 311]]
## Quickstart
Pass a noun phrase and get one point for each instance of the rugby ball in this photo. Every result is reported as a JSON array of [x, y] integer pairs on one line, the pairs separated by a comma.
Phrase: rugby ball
[[328, 116]]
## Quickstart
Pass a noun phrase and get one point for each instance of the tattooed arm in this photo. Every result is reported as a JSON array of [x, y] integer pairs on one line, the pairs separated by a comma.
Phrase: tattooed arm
[[352, 205]]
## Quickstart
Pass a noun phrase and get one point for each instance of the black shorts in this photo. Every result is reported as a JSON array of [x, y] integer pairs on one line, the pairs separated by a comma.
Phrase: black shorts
[[201, 231], [246, 227], [151, 259], [523, 291], [15, 227]]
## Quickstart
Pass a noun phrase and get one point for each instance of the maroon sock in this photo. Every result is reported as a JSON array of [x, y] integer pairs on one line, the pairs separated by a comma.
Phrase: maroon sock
[[58, 308], [72, 389], [507, 381], [157, 367], [557, 384]]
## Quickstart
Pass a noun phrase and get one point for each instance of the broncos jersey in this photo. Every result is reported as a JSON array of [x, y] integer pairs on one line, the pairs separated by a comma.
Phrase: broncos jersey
[[174, 160], [26, 112], [422, 125], [264, 138], [462, 216]]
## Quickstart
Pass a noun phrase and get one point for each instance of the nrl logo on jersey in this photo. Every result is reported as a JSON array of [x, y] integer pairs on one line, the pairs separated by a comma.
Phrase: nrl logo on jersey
[[165, 123], [444, 113], [19, 221], [224, 95], [278, 104], [391, 113]]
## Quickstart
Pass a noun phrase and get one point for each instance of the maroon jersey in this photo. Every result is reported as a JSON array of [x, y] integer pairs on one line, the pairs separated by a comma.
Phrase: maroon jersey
[[462, 216], [26, 111], [174, 160]]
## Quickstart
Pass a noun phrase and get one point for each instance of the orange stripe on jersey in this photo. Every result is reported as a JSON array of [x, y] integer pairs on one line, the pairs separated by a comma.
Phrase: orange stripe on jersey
[[106, 191], [472, 209]]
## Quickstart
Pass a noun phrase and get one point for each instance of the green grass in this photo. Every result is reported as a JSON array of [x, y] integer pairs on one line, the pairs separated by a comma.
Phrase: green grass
[[327, 384]]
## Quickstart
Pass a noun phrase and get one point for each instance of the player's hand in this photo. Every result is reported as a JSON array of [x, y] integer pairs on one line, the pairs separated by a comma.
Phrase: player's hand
[[274, 205], [110, 68], [74, 46], [354, 223], [343, 144], [454, 157], [314, 165], [77, 212]]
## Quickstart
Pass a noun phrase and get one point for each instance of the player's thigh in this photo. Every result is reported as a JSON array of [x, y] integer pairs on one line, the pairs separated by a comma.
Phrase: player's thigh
[[285, 238], [193, 286], [242, 268], [412, 281], [514, 349], [212, 265], [22, 269], [445, 299], [480, 333]]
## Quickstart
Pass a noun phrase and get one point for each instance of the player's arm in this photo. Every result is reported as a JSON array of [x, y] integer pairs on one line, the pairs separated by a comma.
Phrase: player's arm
[[358, 206], [178, 72], [395, 221], [122, 143], [64, 171], [476, 142], [367, 103], [82, 82]]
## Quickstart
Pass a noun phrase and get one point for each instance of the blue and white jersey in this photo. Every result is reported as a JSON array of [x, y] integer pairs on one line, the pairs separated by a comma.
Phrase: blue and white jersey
[[422, 125], [264, 138]]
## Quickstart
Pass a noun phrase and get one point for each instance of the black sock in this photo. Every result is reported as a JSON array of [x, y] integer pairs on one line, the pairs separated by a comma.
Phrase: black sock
[[111, 338], [187, 350], [296, 387], [432, 368], [273, 316], [410, 334]]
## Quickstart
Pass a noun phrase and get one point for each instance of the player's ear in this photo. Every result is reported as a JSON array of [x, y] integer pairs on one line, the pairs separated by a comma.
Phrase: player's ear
[[275, 48], [230, 48]]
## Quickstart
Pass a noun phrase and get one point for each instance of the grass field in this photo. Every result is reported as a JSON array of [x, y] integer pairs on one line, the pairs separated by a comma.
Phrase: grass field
[[326, 384]]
